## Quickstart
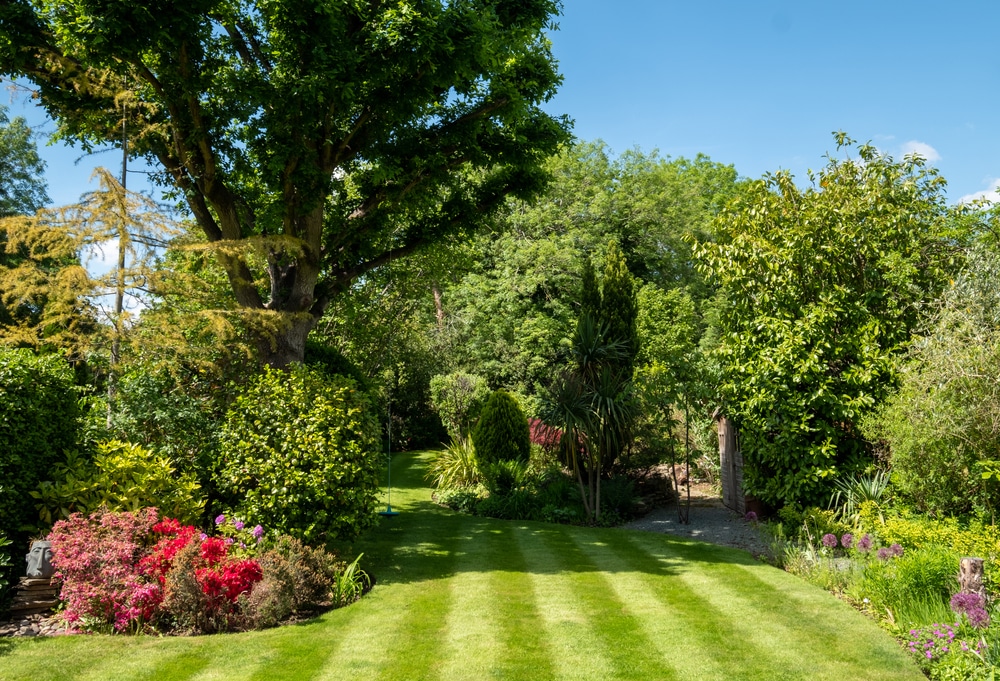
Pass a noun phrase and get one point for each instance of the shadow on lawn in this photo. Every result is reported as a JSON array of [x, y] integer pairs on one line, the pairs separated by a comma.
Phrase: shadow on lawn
[[426, 541]]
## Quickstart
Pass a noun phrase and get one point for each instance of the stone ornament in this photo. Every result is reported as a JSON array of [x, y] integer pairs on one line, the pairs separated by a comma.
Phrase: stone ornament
[[39, 560]]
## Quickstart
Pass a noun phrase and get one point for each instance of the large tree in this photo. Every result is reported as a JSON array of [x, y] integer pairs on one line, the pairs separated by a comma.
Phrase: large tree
[[822, 289], [313, 139]]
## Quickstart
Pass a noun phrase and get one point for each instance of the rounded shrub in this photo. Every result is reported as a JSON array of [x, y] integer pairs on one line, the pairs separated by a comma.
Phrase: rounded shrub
[[121, 476], [299, 455], [502, 431], [38, 420]]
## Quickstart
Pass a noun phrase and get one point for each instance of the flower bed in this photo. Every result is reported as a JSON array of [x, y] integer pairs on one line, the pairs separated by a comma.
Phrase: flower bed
[[131, 572]]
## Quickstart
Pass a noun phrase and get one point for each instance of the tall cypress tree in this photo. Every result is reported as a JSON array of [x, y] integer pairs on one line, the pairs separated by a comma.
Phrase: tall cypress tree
[[619, 307]]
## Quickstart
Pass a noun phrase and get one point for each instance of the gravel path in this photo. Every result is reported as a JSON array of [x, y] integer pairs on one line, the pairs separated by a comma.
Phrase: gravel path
[[710, 522]]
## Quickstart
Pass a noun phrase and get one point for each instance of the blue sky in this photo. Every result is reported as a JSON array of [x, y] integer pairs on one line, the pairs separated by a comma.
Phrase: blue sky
[[759, 85]]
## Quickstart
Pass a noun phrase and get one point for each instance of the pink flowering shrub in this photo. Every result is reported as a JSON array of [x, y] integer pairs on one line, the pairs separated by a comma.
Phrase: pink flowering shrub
[[98, 560], [115, 569]]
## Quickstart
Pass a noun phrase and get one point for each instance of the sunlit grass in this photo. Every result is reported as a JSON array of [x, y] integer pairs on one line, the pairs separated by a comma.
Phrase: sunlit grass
[[460, 597]]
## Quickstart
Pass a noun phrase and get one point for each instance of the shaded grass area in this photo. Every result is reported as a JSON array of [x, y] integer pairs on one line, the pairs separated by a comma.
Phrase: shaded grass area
[[460, 597]]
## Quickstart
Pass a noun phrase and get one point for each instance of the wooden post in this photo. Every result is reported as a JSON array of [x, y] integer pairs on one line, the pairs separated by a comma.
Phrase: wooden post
[[970, 577], [730, 465]]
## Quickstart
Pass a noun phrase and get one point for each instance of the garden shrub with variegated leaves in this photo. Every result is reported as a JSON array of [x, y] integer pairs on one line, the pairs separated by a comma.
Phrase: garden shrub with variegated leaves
[[299, 452]]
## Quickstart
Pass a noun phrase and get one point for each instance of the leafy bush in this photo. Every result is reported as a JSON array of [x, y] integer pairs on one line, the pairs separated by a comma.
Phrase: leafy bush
[[502, 431], [295, 577], [163, 413], [300, 455], [121, 476], [501, 477], [943, 426], [455, 466], [38, 420], [4, 565], [97, 558], [458, 398]]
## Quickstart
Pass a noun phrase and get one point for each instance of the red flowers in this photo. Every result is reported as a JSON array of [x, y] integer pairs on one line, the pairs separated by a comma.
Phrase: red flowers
[[109, 574]]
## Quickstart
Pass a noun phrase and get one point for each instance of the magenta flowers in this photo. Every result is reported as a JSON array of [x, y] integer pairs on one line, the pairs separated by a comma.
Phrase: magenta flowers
[[830, 541]]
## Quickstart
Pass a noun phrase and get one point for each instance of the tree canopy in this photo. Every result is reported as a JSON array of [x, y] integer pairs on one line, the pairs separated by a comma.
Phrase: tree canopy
[[22, 187], [326, 137], [822, 289]]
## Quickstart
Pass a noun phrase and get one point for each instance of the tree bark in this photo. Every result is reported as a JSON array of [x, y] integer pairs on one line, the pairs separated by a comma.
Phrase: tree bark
[[970, 576]]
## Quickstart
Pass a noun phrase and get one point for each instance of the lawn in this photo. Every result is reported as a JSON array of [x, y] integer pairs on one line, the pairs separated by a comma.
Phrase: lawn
[[470, 598]]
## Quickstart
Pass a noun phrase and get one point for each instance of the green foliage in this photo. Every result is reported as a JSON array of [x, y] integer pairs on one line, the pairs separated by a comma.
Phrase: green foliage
[[332, 362], [38, 422], [924, 574], [510, 316], [299, 454], [619, 307], [591, 403], [501, 434], [943, 426], [972, 538], [458, 398], [343, 134], [503, 476], [22, 188], [455, 466], [4, 564], [853, 491], [811, 523], [822, 288], [163, 412], [350, 583], [121, 476]]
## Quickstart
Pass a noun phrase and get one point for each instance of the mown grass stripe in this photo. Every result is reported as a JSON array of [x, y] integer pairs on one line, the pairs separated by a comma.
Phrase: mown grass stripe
[[787, 633], [575, 650], [678, 643], [615, 631], [705, 623], [493, 623]]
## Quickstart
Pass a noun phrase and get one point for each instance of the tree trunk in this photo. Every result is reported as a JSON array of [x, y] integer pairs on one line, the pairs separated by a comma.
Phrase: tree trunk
[[286, 344], [970, 576]]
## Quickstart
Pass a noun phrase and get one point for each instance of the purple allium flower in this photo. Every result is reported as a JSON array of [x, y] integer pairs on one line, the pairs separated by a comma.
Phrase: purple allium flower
[[896, 549], [964, 602], [830, 541], [865, 543], [847, 540], [978, 618], [885, 554], [220, 519], [238, 525], [750, 517], [258, 532]]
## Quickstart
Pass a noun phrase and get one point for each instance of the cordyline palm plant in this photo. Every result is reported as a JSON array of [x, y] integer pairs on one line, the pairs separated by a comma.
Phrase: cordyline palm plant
[[591, 402]]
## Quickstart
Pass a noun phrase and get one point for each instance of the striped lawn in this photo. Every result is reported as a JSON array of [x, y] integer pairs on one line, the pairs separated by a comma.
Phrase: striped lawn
[[471, 598]]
